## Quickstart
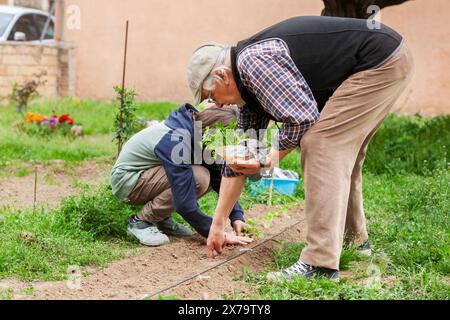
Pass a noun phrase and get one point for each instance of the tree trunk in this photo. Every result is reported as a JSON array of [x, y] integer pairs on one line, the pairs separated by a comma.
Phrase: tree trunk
[[355, 8]]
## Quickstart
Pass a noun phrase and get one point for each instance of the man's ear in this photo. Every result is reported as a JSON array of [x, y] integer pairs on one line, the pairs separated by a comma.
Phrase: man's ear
[[226, 77], [223, 75]]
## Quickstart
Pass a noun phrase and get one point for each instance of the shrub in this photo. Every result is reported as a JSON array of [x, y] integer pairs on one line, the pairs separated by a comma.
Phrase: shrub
[[22, 94], [97, 212]]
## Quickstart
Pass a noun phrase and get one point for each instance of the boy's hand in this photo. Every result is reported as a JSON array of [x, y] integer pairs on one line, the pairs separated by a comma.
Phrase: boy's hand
[[231, 239], [237, 226], [216, 240]]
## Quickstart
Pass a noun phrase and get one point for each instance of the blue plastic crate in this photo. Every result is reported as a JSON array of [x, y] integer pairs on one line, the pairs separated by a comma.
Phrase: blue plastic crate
[[283, 186]]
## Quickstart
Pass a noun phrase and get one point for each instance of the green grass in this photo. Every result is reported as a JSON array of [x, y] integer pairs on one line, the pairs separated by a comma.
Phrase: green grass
[[409, 226], [410, 145], [6, 294], [402, 145], [23, 172], [415, 287], [406, 190], [86, 230], [409, 217], [95, 117], [406, 185]]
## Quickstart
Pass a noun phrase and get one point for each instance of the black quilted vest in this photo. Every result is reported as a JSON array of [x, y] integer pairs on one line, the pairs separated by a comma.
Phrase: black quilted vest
[[326, 50]]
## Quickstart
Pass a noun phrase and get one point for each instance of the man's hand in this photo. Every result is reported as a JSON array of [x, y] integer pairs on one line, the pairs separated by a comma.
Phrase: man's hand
[[250, 166], [237, 226]]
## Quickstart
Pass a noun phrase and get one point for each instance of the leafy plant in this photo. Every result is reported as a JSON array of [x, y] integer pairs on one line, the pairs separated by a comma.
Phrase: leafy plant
[[21, 95], [267, 220], [96, 211], [252, 230], [221, 136], [125, 123]]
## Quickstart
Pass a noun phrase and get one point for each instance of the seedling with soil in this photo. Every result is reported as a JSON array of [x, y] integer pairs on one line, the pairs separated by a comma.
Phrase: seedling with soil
[[232, 144]]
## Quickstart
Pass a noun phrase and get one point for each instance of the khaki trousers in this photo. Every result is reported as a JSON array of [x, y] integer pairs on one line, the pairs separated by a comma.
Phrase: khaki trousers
[[333, 153], [154, 192]]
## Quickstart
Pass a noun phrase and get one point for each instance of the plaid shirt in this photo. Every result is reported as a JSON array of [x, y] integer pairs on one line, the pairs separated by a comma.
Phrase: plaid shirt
[[267, 70]]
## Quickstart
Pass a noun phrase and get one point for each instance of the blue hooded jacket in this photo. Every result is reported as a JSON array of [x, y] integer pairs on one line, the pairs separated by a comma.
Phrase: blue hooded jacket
[[180, 140]]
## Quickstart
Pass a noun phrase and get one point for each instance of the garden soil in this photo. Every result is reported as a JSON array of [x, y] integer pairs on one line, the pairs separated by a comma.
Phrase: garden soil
[[164, 270], [55, 181], [177, 269]]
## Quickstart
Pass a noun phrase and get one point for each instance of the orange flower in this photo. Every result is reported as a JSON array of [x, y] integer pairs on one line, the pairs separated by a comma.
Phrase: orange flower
[[38, 117], [34, 117], [29, 117]]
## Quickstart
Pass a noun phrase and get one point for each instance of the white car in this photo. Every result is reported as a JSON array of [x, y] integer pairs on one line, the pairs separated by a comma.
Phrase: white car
[[25, 24]]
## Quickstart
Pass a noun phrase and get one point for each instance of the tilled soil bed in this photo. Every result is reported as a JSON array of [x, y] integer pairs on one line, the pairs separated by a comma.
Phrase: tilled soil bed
[[181, 268]]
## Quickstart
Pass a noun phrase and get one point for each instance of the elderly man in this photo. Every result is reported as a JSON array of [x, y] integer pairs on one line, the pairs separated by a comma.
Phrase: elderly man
[[289, 73]]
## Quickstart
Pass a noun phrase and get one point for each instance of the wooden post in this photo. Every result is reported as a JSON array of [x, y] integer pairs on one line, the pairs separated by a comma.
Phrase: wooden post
[[120, 142]]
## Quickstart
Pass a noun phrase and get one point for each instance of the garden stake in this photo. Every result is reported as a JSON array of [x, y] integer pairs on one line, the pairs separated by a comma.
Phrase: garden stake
[[35, 188], [120, 142], [270, 191]]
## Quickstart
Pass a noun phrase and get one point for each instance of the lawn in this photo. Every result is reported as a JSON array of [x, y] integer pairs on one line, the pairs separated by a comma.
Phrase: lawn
[[95, 117], [406, 188], [406, 185]]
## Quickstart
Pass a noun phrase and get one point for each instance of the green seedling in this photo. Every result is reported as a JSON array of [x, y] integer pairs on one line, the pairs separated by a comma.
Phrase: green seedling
[[251, 230], [218, 138], [267, 220]]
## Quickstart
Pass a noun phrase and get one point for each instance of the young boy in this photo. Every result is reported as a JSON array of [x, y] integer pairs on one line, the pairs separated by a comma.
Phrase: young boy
[[155, 169]]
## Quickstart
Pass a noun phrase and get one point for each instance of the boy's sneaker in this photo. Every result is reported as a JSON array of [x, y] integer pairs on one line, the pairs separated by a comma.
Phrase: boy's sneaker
[[304, 270], [173, 228], [147, 234], [365, 249]]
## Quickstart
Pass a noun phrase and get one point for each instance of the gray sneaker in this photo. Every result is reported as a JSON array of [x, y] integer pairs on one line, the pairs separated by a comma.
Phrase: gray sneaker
[[173, 228], [147, 234], [303, 270]]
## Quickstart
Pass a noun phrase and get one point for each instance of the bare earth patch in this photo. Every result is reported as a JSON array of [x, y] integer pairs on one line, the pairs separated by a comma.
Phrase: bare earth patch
[[155, 269], [55, 181]]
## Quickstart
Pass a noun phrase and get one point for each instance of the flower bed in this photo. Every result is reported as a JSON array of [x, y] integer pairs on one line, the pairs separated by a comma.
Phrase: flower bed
[[36, 123]]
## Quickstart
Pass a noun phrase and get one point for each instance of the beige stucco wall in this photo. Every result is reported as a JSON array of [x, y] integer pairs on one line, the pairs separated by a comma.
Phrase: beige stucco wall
[[425, 26], [163, 34]]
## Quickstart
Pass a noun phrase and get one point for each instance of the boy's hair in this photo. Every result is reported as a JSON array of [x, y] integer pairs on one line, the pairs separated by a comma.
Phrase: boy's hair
[[210, 116]]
